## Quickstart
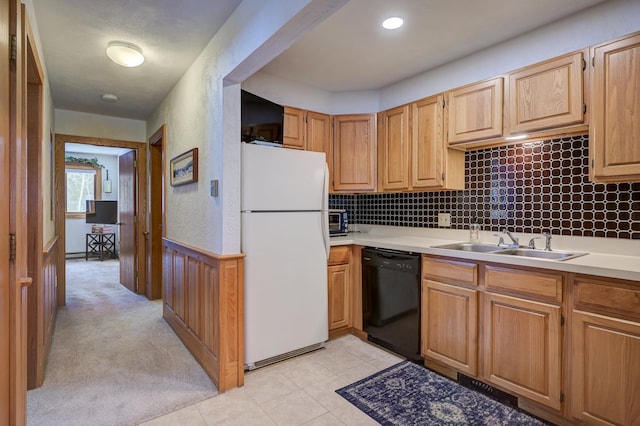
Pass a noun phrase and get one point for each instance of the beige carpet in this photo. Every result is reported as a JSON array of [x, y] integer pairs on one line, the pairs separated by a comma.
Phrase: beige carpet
[[113, 360]]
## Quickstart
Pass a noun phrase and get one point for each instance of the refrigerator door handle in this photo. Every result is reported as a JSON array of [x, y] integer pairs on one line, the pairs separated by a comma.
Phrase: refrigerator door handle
[[325, 210]]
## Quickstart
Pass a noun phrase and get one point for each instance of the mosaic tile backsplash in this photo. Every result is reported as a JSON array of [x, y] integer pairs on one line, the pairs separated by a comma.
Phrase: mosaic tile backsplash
[[532, 188]]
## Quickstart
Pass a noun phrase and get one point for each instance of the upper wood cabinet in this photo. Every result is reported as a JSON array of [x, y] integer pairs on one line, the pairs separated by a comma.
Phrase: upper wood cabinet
[[614, 133], [547, 95], [433, 164], [474, 112], [394, 142], [412, 152], [354, 152], [293, 131], [318, 136]]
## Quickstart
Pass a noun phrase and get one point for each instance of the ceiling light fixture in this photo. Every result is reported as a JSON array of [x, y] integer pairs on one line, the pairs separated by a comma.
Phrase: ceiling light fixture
[[108, 97], [125, 54], [392, 23]]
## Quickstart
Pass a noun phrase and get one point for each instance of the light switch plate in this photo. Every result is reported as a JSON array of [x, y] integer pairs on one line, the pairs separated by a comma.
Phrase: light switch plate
[[444, 220], [214, 188]]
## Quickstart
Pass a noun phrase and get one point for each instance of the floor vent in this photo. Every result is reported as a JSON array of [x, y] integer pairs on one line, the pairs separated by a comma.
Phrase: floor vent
[[490, 391], [282, 357]]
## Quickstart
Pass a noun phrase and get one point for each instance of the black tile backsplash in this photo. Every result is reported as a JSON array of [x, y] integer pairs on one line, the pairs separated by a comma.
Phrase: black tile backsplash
[[532, 188]]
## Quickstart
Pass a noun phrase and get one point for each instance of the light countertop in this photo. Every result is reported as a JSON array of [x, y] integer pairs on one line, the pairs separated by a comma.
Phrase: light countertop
[[607, 257]]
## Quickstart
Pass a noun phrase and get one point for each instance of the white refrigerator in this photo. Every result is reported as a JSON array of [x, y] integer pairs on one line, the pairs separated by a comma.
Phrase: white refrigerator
[[285, 238]]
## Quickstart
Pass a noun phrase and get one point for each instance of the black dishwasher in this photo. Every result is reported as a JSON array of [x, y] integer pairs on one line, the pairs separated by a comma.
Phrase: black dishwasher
[[391, 300]]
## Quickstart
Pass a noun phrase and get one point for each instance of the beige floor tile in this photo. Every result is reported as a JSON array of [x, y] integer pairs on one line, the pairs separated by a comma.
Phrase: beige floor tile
[[336, 360], [189, 416], [263, 386], [352, 416], [308, 373], [294, 409], [327, 419]]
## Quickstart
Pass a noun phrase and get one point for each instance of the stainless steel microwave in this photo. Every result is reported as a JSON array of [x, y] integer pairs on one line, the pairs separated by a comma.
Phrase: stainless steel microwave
[[338, 222]]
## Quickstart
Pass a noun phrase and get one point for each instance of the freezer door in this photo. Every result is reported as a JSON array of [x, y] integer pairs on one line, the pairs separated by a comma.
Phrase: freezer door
[[286, 296], [279, 179]]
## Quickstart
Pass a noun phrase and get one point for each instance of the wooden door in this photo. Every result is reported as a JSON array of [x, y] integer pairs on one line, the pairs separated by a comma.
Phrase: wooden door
[[293, 128], [547, 95], [521, 347], [605, 361], [394, 149], [318, 136], [156, 215], [450, 325], [614, 133], [128, 217], [474, 112], [5, 211], [339, 296], [354, 152]]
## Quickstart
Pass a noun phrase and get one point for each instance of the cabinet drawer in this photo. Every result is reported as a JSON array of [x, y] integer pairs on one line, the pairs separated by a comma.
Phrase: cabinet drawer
[[603, 297], [339, 255], [450, 271], [545, 285]]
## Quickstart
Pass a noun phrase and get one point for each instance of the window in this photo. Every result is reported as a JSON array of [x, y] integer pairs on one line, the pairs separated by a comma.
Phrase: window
[[83, 183]]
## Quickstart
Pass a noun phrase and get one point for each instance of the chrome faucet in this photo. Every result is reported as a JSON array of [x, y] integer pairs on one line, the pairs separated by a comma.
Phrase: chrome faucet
[[547, 244], [515, 243]]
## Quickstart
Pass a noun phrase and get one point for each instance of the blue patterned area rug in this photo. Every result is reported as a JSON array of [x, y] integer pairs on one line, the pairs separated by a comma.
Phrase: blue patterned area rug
[[408, 394]]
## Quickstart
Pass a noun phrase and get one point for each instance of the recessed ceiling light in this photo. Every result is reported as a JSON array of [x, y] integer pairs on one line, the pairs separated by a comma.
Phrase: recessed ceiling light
[[125, 54], [108, 97], [392, 23]]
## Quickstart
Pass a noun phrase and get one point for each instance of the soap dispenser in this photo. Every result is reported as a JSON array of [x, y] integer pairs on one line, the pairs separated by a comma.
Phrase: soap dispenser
[[474, 231]]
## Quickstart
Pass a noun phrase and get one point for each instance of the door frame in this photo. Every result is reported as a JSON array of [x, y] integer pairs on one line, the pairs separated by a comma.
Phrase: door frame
[[60, 200], [157, 220]]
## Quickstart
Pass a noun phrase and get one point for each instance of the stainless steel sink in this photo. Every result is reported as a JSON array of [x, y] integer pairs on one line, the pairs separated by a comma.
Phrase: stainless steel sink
[[523, 252], [478, 248], [541, 254]]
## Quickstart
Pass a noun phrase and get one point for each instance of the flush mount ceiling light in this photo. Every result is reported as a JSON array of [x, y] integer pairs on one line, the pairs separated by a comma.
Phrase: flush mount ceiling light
[[392, 23], [108, 97], [125, 54]]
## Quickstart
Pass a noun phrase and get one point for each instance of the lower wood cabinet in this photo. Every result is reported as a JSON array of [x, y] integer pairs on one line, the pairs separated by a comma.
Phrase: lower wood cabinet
[[521, 348], [339, 281], [605, 355], [450, 325]]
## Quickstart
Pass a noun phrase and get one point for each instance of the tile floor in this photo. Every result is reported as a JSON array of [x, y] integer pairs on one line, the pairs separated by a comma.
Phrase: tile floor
[[299, 391]]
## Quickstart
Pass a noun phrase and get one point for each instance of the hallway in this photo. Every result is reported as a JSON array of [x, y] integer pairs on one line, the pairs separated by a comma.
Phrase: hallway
[[113, 360]]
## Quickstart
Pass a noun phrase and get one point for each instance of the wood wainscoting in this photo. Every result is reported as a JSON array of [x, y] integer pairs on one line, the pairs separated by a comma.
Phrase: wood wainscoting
[[43, 295], [203, 302]]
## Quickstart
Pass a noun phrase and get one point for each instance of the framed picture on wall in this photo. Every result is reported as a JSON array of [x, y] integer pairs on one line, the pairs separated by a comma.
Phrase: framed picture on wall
[[183, 169]]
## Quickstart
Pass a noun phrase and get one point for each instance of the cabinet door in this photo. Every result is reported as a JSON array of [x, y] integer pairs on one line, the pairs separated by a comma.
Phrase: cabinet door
[[521, 347], [615, 130], [354, 152], [339, 297], [293, 128], [605, 387], [318, 136], [547, 95], [475, 112], [450, 325], [393, 149]]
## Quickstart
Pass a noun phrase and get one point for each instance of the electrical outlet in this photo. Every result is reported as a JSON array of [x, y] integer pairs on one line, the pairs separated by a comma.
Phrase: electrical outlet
[[444, 220]]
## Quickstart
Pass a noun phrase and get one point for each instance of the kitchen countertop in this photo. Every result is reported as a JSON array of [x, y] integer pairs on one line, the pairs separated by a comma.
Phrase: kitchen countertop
[[611, 258]]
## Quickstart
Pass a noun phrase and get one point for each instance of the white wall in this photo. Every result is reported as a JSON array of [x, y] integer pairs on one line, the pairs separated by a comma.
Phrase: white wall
[[99, 126], [76, 229], [203, 111]]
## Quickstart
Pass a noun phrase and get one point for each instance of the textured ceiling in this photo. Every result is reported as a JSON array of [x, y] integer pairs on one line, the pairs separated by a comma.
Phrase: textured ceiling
[[348, 51]]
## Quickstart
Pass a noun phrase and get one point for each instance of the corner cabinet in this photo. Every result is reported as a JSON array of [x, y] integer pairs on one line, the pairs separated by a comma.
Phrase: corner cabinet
[[474, 112], [615, 128], [547, 95], [339, 281], [605, 356], [354, 153]]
